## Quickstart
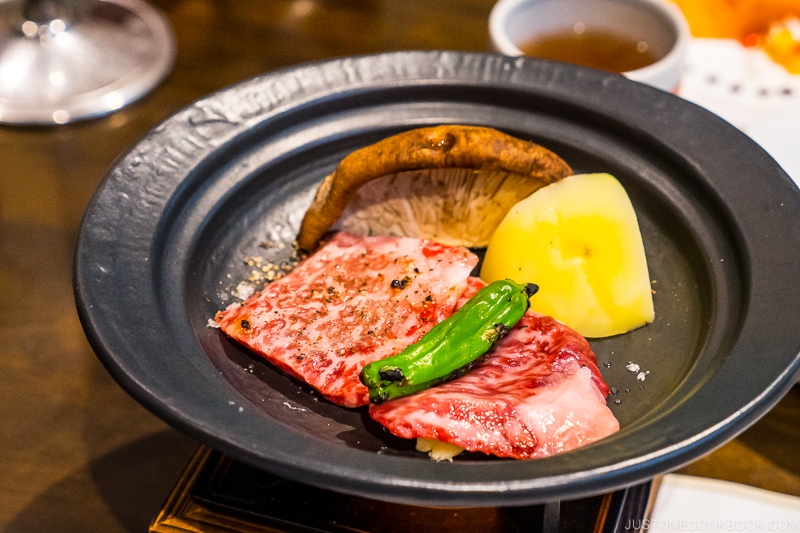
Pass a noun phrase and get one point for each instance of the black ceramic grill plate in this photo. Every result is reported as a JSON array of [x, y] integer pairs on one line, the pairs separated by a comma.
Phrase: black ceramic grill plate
[[166, 238]]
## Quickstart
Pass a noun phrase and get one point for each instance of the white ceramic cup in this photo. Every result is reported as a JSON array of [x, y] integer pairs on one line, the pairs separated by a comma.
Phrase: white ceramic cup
[[660, 23]]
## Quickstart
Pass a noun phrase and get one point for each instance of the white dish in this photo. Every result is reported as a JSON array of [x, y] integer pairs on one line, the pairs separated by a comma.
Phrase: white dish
[[687, 503], [746, 88]]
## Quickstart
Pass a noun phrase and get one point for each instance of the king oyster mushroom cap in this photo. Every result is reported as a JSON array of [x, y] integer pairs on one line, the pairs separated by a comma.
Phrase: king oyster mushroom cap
[[452, 184]]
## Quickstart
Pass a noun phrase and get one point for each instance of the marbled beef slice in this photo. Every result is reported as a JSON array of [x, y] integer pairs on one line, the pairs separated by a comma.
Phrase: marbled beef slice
[[354, 301]]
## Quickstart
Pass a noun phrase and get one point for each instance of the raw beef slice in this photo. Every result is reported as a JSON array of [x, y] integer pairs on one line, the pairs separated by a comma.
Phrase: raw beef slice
[[354, 301], [538, 393]]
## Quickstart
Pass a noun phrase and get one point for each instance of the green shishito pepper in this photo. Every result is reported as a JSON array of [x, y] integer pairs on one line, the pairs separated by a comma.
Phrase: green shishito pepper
[[452, 346]]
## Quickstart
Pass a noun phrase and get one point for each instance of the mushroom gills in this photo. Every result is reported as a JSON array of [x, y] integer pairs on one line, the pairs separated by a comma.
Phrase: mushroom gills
[[453, 206]]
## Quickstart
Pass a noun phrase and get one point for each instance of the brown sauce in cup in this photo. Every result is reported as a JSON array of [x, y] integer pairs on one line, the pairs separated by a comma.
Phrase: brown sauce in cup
[[591, 48]]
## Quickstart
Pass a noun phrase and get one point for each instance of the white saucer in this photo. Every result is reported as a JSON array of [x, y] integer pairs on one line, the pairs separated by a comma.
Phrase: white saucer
[[746, 88], [686, 503]]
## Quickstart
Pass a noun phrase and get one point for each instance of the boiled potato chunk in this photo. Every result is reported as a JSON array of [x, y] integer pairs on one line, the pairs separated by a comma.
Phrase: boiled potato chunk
[[579, 240], [438, 450]]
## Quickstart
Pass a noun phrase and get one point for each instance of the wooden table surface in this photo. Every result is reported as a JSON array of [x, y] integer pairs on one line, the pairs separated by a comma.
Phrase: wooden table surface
[[78, 454]]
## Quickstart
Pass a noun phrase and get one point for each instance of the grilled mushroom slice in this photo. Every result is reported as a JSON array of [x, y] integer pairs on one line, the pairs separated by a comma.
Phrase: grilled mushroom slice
[[452, 184]]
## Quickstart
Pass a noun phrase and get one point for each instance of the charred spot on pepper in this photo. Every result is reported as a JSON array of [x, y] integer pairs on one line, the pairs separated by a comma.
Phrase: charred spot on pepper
[[493, 333], [378, 398], [391, 373], [245, 324]]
